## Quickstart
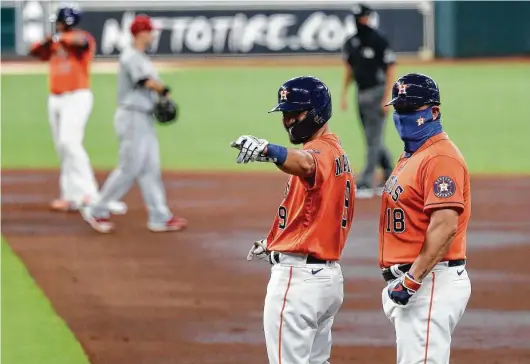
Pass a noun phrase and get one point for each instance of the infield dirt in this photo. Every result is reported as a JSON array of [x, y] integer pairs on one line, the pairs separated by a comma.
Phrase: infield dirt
[[136, 297]]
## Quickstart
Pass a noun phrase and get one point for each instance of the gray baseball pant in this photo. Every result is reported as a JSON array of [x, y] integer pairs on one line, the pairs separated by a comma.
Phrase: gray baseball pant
[[139, 160], [373, 122]]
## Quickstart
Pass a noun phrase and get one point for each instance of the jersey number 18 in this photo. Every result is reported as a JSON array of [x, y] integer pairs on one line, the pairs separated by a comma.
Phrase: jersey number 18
[[395, 220]]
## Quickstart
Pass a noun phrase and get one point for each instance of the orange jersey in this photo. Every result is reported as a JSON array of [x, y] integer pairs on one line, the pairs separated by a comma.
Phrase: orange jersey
[[69, 65], [434, 177], [315, 216]]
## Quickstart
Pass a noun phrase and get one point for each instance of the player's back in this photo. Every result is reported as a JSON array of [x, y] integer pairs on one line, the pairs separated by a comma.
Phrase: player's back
[[434, 177], [70, 66], [134, 67], [315, 216]]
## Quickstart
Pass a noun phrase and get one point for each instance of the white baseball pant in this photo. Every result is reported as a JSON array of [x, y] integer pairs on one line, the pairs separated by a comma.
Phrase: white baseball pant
[[300, 306], [425, 325], [68, 115]]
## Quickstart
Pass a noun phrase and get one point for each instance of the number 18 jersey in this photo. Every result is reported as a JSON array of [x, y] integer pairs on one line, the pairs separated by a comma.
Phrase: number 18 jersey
[[434, 177], [315, 216]]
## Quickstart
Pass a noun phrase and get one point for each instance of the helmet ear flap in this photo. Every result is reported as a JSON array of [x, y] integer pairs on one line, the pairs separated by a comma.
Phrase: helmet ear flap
[[305, 128]]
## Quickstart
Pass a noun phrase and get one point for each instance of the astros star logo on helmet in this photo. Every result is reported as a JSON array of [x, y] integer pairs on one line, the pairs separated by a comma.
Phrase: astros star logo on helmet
[[283, 95], [402, 89]]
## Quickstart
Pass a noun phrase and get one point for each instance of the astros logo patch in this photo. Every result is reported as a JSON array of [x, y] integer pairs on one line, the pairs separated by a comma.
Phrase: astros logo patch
[[402, 88], [444, 187]]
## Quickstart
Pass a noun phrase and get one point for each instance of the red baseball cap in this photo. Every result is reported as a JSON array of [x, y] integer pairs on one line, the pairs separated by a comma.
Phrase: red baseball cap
[[141, 23]]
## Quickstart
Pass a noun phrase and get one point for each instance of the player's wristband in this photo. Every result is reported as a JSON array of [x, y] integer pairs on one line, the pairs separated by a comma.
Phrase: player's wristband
[[165, 91], [277, 152], [411, 283]]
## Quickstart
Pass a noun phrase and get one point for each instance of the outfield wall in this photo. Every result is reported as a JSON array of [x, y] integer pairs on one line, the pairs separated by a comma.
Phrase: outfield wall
[[199, 28], [448, 29], [482, 29]]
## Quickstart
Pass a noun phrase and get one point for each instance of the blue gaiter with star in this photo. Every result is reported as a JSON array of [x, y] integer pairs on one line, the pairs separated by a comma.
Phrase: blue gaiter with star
[[416, 127]]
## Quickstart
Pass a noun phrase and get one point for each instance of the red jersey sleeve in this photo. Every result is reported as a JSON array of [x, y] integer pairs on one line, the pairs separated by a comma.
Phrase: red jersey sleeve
[[443, 184], [324, 162], [41, 50]]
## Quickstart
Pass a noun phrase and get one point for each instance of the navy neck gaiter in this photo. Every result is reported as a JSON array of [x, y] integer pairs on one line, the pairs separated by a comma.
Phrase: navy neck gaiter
[[416, 128]]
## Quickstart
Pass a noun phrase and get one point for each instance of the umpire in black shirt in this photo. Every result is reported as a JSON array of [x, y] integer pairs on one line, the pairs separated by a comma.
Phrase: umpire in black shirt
[[371, 64]]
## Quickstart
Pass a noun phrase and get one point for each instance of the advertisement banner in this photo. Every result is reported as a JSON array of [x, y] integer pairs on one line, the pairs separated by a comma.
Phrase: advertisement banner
[[255, 31], [252, 31]]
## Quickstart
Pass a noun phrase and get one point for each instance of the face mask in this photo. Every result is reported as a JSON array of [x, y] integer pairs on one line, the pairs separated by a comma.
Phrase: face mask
[[361, 28], [416, 127]]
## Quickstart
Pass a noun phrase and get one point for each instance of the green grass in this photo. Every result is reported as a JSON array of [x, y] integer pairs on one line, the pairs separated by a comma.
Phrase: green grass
[[31, 331], [484, 110]]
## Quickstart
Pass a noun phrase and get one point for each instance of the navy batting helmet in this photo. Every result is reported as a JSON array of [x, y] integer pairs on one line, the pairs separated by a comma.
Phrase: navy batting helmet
[[305, 93], [69, 15], [415, 90]]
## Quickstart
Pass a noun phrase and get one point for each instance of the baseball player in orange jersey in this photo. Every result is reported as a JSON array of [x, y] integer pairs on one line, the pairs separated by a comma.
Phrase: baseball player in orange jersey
[[309, 232], [422, 232], [70, 52]]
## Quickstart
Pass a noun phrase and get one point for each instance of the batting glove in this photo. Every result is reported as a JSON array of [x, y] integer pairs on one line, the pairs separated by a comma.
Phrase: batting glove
[[250, 148], [261, 158], [258, 250], [403, 288]]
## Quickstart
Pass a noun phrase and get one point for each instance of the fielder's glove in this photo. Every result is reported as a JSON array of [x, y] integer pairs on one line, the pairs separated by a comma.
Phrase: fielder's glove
[[166, 111], [403, 288], [250, 149], [259, 250]]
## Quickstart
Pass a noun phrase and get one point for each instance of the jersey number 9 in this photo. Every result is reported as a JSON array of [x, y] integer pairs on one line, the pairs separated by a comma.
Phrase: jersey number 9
[[282, 216], [347, 194]]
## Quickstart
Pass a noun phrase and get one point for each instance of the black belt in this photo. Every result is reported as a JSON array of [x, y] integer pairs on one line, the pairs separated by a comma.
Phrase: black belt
[[310, 259], [389, 276]]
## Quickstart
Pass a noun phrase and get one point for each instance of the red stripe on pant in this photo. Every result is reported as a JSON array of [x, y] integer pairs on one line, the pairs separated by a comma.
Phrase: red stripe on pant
[[281, 316], [429, 319]]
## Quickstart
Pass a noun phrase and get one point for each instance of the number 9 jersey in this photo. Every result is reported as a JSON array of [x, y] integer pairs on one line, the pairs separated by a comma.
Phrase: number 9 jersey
[[315, 216]]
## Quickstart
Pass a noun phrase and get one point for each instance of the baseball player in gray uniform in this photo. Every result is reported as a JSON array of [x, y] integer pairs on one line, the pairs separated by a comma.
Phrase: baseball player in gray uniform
[[139, 89]]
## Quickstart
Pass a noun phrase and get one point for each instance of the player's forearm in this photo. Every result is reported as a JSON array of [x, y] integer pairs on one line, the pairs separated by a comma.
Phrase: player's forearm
[[73, 40], [292, 161], [389, 81], [40, 49], [299, 163], [347, 79], [440, 234], [156, 86]]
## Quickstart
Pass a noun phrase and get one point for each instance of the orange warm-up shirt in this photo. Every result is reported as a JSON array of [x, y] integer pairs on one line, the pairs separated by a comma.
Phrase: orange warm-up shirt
[[69, 64], [315, 216], [433, 177]]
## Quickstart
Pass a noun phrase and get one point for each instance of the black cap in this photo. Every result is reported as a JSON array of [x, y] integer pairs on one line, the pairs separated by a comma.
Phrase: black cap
[[360, 10]]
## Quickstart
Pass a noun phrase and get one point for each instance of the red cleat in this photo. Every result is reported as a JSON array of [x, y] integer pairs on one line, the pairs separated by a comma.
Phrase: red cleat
[[173, 224], [101, 225]]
